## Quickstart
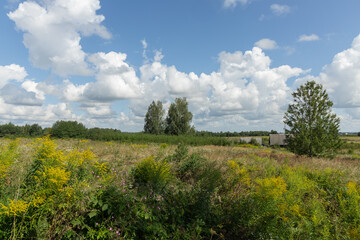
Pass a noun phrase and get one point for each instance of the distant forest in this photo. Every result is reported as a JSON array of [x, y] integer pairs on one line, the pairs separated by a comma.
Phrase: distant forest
[[74, 129]]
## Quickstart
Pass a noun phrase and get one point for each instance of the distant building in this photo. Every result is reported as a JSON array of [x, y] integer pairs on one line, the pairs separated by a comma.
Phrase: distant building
[[248, 139], [277, 139]]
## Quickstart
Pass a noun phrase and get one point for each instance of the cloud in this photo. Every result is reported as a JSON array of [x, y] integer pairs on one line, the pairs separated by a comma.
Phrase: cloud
[[11, 72], [43, 115], [279, 10], [53, 30], [266, 44], [342, 77], [115, 80], [144, 44], [233, 3], [31, 86], [245, 87], [308, 38], [98, 110], [15, 95]]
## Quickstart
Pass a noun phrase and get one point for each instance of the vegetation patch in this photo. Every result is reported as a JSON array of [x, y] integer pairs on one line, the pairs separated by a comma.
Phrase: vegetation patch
[[63, 190]]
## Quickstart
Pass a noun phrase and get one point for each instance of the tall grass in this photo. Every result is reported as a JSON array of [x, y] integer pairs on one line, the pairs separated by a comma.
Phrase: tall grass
[[83, 189]]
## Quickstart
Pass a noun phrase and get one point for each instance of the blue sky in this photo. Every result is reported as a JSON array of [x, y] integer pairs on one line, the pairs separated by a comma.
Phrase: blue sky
[[236, 61]]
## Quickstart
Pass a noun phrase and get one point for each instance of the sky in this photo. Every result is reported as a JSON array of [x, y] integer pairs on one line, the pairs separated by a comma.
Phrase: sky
[[237, 62]]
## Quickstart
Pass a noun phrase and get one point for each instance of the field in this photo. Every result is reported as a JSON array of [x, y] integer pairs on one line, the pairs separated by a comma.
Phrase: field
[[83, 189]]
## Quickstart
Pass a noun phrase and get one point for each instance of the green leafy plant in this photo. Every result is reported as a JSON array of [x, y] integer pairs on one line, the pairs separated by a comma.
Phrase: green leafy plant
[[152, 173]]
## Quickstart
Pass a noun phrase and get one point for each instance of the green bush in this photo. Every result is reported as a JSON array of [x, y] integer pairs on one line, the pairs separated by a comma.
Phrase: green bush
[[254, 142], [190, 167], [68, 129], [152, 174]]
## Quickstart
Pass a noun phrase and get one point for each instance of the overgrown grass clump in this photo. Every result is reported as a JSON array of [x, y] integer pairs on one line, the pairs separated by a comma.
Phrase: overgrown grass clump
[[70, 193]]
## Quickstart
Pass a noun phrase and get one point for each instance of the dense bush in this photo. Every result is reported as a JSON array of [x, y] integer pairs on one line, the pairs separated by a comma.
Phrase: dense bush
[[68, 129], [152, 174]]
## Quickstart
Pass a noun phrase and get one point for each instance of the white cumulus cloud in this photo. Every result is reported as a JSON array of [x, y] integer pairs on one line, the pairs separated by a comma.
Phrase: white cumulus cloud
[[53, 30], [11, 72], [245, 88], [115, 80], [342, 77]]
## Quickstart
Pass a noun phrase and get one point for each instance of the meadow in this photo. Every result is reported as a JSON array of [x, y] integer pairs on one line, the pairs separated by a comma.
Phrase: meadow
[[86, 189]]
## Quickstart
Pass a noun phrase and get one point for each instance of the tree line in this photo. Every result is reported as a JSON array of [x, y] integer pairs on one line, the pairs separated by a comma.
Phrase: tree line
[[74, 129], [235, 134], [9, 129], [60, 129]]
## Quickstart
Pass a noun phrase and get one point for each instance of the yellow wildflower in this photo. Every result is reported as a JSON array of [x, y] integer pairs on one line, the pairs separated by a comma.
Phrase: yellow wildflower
[[14, 208]]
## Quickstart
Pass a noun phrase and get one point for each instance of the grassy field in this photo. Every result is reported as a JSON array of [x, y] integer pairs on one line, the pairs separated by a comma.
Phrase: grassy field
[[83, 189]]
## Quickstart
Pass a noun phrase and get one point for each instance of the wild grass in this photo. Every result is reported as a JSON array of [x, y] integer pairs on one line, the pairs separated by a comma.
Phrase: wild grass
[[85, 189]]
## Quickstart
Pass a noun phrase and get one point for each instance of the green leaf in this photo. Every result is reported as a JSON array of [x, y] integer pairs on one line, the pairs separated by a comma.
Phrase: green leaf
[[76, 222], [105, 207], [93, 213]]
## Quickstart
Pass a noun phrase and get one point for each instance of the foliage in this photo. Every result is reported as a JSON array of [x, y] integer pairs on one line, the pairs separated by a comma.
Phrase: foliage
[[152, 174], [11, 130], [8, 155], [254, 142], [179, 118], [313, 128], [34, 130], [68, 129], [106, 134], [154, 119], [187, 167], [69, 193]]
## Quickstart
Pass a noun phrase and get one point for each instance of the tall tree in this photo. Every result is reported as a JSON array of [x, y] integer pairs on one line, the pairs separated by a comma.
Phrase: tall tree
[[154, 119], [313, 129], [179, 118]]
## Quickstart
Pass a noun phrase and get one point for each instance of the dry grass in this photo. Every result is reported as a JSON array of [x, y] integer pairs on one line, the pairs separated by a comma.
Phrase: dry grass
[[124, 156], [343, 162], [351, 138]]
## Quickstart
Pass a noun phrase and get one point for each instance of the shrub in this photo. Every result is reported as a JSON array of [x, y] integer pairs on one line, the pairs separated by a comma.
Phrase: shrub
[[190, 166], [180, 154], [152, 173], [254, 142]]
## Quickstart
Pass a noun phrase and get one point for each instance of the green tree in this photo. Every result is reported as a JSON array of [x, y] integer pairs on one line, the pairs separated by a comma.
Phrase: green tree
[[179, 118], [35, 130], [154, 119], [9, 129], [68, 129], [313, 129]]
